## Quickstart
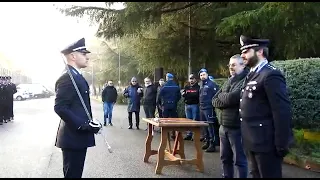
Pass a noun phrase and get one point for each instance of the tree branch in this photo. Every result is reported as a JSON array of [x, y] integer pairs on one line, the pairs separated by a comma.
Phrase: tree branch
[[197, 29], [179, 8]]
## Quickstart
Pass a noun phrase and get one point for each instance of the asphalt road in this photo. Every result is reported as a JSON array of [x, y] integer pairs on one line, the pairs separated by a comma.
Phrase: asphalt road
[[27, 148]]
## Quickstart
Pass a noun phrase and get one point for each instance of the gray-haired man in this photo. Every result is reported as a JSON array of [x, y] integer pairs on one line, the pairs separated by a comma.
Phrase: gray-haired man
[[227, 100]]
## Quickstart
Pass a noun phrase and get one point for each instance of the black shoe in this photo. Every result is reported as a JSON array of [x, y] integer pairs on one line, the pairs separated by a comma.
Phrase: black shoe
[[110, 124], [188, 138], [105, 124], [212, 146], [130, 127], [206, 145], [5, 121], [138, 128]]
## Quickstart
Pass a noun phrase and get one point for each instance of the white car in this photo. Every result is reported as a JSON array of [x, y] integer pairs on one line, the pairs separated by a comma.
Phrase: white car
[[21, 95]]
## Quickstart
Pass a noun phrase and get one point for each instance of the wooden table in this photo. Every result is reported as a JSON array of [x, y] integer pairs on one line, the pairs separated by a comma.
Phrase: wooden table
[[173, 124]]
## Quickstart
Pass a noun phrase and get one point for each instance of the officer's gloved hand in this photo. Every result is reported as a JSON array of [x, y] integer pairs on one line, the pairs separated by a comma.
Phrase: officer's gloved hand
[[85, 128], [95, 126], [282, 152]]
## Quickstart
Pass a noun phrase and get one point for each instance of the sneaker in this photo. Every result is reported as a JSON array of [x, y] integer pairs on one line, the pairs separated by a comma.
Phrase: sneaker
[[110, 124]]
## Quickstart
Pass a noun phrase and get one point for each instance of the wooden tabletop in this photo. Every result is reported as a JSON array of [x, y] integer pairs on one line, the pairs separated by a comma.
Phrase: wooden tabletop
[[174, 122]]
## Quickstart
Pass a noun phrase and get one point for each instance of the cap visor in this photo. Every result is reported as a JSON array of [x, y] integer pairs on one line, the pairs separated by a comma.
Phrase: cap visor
[[84, 51]]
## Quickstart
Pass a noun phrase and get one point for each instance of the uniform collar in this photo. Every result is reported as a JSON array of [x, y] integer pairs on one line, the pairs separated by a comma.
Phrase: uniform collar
[[78, 70], [75, 70], [259, 65]]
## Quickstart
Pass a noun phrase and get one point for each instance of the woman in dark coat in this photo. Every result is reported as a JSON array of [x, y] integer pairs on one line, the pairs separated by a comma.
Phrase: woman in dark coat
[[134, 94]]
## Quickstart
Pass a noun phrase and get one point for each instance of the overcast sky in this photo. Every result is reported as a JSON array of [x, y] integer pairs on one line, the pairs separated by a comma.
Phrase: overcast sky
[[33, 33]]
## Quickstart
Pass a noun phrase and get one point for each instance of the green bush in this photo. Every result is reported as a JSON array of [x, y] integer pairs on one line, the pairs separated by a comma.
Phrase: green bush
[[181, 109], [220, 81], [303, 82], [121, 99]]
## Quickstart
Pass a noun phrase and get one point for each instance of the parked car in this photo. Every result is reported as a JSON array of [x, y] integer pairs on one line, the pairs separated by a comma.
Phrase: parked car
[[21, 95]]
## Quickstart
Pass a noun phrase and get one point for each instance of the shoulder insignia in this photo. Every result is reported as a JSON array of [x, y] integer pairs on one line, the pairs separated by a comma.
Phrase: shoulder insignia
[[271, 67]]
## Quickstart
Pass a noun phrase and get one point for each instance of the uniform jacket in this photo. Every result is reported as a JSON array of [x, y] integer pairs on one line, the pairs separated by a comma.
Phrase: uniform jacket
[[169, 95], [227, 100], [265, 111], [68, 106], [207, 90], [191, 94], [109, 94], [133, 97]]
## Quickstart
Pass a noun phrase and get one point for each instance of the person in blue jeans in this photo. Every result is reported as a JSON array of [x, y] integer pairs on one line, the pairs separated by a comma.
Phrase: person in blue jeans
[[227, 100], [191, 100], [109, 98]]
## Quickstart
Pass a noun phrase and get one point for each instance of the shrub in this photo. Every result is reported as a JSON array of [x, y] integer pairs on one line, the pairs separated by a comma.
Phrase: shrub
[[303, 82], [121, 99], [220, 81]]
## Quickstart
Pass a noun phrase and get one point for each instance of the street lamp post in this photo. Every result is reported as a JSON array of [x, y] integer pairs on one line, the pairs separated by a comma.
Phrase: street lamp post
[[119, 68], [93, 90], [189, 66]]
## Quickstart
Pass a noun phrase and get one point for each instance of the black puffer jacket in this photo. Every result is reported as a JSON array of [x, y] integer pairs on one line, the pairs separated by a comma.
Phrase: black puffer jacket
[[227, 100], [109, 94]]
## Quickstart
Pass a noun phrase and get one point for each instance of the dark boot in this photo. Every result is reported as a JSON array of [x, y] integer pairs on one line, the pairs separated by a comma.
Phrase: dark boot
[[188, 138], [137, 121], [130, 121], [212, 147], [206, 144], [173, 135]]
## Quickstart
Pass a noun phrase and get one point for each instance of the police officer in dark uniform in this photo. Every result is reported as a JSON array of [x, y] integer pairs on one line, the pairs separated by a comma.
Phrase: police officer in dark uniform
[[6, 99], [207, 90], [169, 97], [2, 99], [265, 111], [12, 89], [75, 133]]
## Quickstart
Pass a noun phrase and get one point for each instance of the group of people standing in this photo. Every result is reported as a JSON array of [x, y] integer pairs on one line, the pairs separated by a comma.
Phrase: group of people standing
[[254, 120], [7, 89]]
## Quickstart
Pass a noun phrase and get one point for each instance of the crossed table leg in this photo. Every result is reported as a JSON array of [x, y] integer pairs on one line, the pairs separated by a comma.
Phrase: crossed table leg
[[165, 149]]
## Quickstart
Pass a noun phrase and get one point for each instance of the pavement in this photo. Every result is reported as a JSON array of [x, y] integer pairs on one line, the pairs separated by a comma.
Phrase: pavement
[[27, 148]]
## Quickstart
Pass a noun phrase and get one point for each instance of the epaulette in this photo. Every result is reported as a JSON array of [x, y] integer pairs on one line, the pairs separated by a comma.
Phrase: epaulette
[[271, 67]]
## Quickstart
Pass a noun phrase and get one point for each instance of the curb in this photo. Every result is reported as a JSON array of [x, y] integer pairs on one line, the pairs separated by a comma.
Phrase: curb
[[303, 163]]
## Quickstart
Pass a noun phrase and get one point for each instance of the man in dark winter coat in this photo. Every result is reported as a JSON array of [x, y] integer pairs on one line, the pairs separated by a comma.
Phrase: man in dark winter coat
[[227, 100], [134, 93], [109, 98]]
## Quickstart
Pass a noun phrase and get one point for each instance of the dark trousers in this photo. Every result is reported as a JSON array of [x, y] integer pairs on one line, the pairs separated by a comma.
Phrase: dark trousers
[[232, 153], [265, 165], [209, 132], [137, 118], [160, 112], [73, 162], [170, 113], [149, 110]]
